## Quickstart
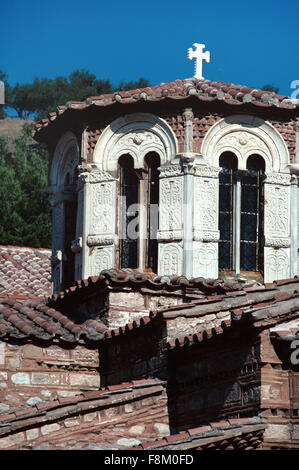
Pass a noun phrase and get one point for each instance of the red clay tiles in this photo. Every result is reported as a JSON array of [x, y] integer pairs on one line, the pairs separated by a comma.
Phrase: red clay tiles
[[204, 90], [25, 271]]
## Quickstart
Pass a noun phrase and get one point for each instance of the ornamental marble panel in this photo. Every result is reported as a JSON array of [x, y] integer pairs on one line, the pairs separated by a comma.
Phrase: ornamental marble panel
[[101, 258], [170, 259], [205, 204], [205, 260], [171, 202], [277, 211], [102, 208], [277, 264], [58, 227]]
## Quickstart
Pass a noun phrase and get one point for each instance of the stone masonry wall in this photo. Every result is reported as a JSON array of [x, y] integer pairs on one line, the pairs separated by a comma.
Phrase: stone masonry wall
[[279, 399], [119, 418], [31, 374]]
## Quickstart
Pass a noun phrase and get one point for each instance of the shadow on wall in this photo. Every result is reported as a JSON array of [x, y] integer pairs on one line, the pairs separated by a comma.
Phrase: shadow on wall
[[205, 381]]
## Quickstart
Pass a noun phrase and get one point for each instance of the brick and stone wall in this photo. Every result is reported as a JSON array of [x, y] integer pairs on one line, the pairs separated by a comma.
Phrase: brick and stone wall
[[116, 418], [31, 374], [214, 380]]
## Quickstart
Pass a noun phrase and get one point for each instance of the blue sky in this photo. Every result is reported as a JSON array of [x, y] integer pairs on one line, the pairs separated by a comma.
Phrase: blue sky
[[252, 43]]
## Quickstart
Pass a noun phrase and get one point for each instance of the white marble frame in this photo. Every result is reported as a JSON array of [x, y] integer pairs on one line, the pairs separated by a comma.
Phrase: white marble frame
[[60, 166], [262, 139], [112, 143], [136, 134], [245, 135]]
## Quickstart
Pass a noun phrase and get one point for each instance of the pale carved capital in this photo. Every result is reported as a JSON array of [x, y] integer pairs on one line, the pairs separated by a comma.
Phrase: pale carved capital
[[278, 178], [277, 242], [101, 240], [169, 235]]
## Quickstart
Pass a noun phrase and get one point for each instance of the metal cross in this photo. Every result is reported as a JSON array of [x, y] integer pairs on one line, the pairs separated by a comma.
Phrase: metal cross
[[199, 56]]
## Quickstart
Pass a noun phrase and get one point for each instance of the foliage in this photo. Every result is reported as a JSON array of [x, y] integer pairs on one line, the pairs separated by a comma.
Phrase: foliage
[[25, 215], [42, 96], [270, 88]]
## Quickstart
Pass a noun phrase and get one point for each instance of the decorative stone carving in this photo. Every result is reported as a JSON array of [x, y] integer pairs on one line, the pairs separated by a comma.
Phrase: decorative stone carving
[[277, 208], [205, 204], [137, 134], [205, 260], [171, 170], [58, 227], [93, 175], [99, 240], [245, 142], [170, 259], [206, 171], [278, 178], [277, 242], [211, 236], [277, 264], [245, 135], [171, 200], [137, 141], [100, 259], [168, 235], [102, 210]]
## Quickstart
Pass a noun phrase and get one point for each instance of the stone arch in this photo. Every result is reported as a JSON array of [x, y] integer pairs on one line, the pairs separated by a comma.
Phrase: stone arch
[[65, 160], [246, 135], [135, 134]]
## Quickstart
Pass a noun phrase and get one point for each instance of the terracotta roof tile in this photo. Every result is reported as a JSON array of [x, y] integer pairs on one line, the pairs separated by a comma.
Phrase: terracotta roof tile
[[239, 432], [205, 90], [25, 271], [32, 319]]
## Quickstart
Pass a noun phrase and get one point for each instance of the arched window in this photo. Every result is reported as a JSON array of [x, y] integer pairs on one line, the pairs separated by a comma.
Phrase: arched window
[[241, 214], [128, 224]]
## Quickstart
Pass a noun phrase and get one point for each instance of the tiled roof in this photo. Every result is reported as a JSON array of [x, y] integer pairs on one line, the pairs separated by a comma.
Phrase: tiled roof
[[25, 271], [86, 401], [203, 90], [262, 306], [286, 331], [33, 319], [122, 278], [233, 434]]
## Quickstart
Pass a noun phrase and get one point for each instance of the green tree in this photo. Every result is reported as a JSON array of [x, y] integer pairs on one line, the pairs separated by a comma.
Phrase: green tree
[[7, 94], [42, 96], [270, 88], [25, 214]]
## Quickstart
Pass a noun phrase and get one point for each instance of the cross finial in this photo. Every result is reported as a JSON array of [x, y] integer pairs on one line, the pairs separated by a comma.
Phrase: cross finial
[[199, 56]]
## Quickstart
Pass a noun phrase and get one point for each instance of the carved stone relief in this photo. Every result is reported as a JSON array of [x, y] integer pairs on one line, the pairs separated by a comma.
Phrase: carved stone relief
[[277, 211], [277, 264], [170, 259], [101, 258], [205, 260], [205, 204], [171, 201], [243, 141], [102, 208]]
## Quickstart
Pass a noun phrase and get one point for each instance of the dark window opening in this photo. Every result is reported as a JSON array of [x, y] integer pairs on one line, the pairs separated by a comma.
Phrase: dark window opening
[[228, 163], [152, 161], [70, 218], [251, 243], [129, 217]]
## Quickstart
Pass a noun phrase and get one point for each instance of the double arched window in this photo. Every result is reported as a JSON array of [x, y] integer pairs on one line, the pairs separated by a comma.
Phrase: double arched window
[[241, 213]]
